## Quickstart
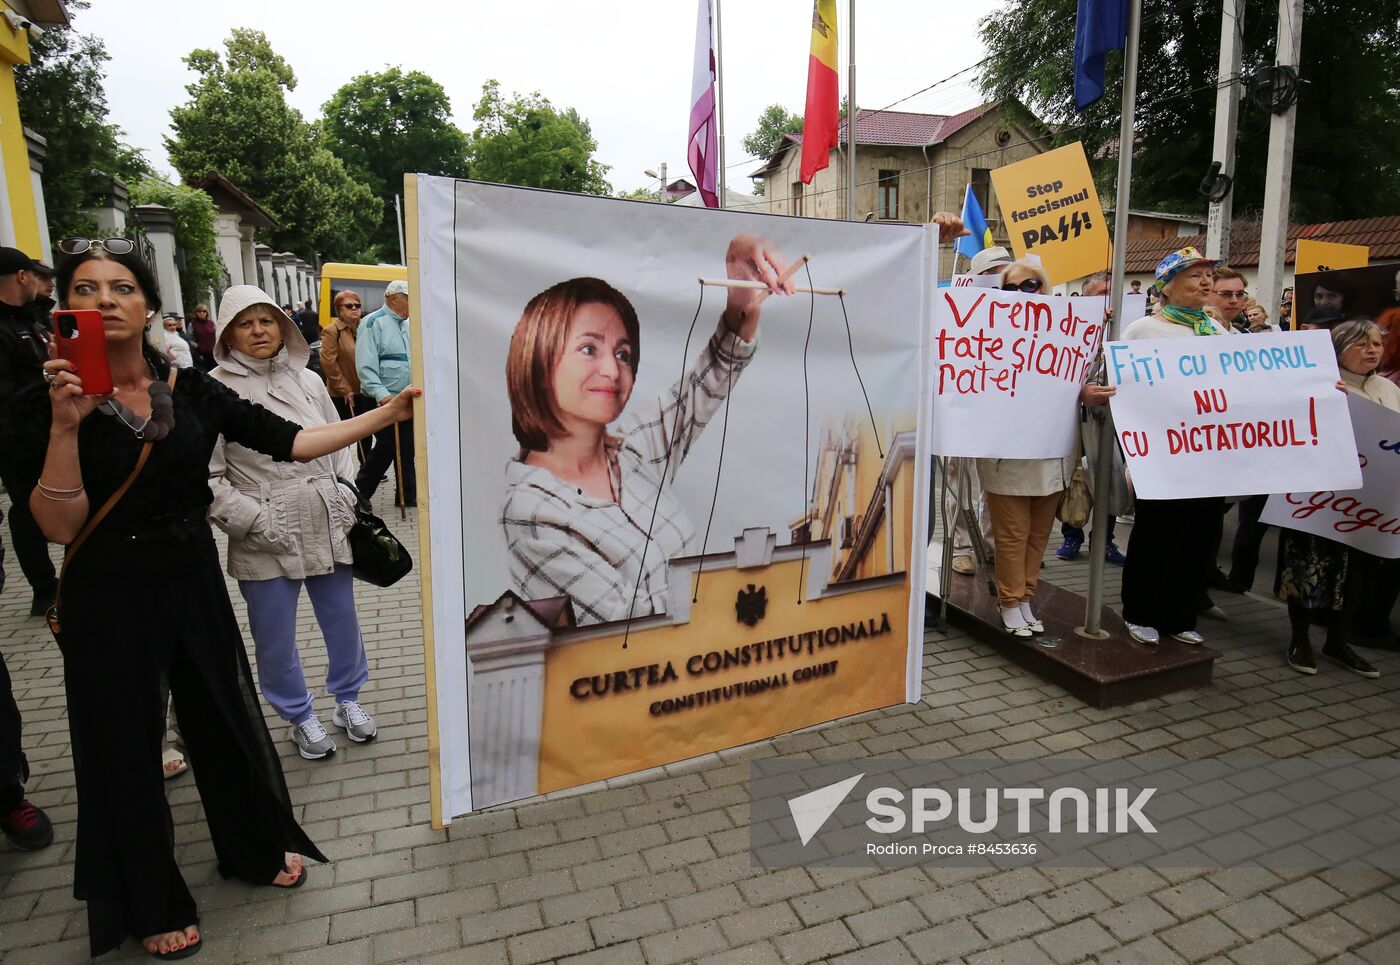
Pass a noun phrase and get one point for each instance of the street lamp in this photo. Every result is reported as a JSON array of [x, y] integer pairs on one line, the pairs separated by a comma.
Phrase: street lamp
[[661, 177]]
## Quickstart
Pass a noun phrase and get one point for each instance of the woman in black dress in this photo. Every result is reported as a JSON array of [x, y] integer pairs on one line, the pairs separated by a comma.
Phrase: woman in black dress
[[120, 639]]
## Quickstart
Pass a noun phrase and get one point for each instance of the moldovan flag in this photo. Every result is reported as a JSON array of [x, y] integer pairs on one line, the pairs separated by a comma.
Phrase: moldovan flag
[[702, 148], [823, 105]]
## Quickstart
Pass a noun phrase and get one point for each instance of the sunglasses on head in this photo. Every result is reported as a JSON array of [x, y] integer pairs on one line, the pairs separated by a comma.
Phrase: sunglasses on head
[[113, 246], [1030, 286]]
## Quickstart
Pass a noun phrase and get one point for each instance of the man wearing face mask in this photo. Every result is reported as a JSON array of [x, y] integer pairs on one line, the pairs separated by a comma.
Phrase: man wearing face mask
[[24, 337]]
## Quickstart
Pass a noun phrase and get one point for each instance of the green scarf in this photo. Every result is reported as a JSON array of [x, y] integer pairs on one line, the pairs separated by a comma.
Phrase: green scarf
[[1194, 318]]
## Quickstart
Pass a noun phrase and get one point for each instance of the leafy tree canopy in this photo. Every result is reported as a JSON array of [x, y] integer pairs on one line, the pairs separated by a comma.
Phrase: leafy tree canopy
[[61, 98], [387, 124], [237, 121], [1348, 107], [775, 123], [527, 141], [194, 213]]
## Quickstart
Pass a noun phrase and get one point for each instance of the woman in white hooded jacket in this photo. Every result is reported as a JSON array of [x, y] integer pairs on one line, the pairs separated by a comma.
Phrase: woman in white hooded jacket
[[287, 522]]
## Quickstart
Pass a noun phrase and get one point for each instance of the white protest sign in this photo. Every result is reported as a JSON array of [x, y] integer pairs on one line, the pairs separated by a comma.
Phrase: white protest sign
[[1367, 518], [1231, 415], [1007, 369]]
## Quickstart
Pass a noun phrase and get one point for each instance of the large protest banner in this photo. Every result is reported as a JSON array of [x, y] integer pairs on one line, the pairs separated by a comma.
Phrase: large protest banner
[[1231, 415], [1368, 517], [1007, 368], [1052, 210], [735, 569]]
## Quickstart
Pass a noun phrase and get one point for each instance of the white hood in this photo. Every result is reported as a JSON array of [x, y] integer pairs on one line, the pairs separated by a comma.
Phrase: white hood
[[235, 300]]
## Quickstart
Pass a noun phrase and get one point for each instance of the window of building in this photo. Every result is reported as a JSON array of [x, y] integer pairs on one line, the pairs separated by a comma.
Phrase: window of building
[[797, 198], [887, 196], [982, 189]]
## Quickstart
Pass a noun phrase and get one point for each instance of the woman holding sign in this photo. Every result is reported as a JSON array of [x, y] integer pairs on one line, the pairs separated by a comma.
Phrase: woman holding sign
[[1022, 496], [1321, 580], [1171, 551]]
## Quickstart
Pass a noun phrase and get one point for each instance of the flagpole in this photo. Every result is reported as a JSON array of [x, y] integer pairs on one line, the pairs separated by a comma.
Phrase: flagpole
[[1103, 467], [719, 101], [851, 114]]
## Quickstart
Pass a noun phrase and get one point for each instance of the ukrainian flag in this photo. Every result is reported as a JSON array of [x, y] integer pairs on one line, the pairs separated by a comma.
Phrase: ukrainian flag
[[976, 222]]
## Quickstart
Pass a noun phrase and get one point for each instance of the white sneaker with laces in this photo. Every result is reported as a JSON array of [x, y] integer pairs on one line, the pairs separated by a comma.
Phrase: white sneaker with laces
[[313, 743], [359, 726]]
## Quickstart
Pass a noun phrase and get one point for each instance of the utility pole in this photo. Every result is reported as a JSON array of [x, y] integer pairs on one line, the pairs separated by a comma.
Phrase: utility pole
[[851, 112], [1103, 464], [1227, 117], [1278, 182]]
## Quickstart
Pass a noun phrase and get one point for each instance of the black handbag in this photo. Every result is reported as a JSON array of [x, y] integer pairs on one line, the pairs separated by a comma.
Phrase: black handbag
[[378, 556]]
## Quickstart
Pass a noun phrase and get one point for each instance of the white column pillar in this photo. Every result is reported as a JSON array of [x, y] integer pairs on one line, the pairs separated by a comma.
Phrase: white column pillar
[[247, 254], [226, 240], [38, 150], [505, 657], [158, 222]]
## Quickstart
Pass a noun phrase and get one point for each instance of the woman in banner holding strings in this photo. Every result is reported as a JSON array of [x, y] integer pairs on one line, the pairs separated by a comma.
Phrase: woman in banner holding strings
[[589, 514]]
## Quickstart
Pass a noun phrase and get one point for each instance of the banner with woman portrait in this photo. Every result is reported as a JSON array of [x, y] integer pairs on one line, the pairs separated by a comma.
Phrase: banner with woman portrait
[[674, 462]]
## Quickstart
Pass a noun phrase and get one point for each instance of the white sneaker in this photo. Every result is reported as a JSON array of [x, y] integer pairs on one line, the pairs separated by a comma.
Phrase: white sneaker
[[359, 726], [313, 743], [1014, 623], [1147, 635], [1032, 624]]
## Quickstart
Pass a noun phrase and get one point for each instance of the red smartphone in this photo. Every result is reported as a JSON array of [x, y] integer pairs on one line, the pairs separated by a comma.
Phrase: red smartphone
[[83, 341]]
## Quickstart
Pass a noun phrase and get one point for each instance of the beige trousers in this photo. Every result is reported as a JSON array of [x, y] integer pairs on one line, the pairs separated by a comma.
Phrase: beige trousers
[[1022, 526]]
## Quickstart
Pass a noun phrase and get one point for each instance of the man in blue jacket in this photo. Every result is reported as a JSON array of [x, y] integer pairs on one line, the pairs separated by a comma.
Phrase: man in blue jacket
[[382, 360]]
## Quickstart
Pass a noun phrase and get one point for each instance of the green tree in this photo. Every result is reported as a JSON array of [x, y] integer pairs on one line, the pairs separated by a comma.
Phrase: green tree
[[774, 124], [387, 124], [1348, 107], [237, 121], [194, 213], [61, 98], [528, 141]]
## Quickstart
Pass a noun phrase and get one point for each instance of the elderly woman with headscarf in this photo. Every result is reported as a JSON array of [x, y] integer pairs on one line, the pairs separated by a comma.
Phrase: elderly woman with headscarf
[[1321, 580], [1172, 547], [287, 523]]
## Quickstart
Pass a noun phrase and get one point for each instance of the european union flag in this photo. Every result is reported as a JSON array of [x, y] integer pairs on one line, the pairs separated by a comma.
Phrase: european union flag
[[975, 221], [1101, 26]]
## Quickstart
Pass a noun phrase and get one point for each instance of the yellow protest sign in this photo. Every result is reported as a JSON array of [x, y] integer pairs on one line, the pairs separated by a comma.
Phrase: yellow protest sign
[[1328, 256], [1052, 210]]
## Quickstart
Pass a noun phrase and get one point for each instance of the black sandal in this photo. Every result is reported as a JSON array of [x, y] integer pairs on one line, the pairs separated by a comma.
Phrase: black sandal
[[301, 878]]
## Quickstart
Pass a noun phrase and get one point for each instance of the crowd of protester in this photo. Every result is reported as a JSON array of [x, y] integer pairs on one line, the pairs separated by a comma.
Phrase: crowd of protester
[[220, 421], [253, 420]]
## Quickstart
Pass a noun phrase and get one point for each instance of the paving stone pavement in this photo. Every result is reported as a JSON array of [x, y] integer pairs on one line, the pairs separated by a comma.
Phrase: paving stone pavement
[[654, 868]]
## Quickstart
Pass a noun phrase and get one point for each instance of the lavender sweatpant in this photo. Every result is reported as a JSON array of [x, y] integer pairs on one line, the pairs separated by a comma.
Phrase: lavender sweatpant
[[272, 616]]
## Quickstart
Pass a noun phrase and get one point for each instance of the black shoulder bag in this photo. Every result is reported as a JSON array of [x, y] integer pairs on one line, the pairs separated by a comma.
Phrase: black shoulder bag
[[378, 556]]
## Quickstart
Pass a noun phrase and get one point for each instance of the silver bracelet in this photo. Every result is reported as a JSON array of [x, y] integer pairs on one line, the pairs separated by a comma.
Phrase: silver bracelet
[[58, 499]]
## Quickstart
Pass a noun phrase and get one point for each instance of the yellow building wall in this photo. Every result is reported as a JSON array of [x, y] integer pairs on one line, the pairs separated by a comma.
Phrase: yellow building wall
[[589, 739], [14, 49]]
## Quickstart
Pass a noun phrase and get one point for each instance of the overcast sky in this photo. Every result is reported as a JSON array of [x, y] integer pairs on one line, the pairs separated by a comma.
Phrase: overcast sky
[[625, 65]]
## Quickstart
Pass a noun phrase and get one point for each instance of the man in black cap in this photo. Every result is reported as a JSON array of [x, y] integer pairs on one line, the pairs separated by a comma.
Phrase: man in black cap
[[23, 350], [24, 335]]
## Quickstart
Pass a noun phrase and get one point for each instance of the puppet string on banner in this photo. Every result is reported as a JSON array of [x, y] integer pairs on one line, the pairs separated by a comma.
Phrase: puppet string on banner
[[812, 292]]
